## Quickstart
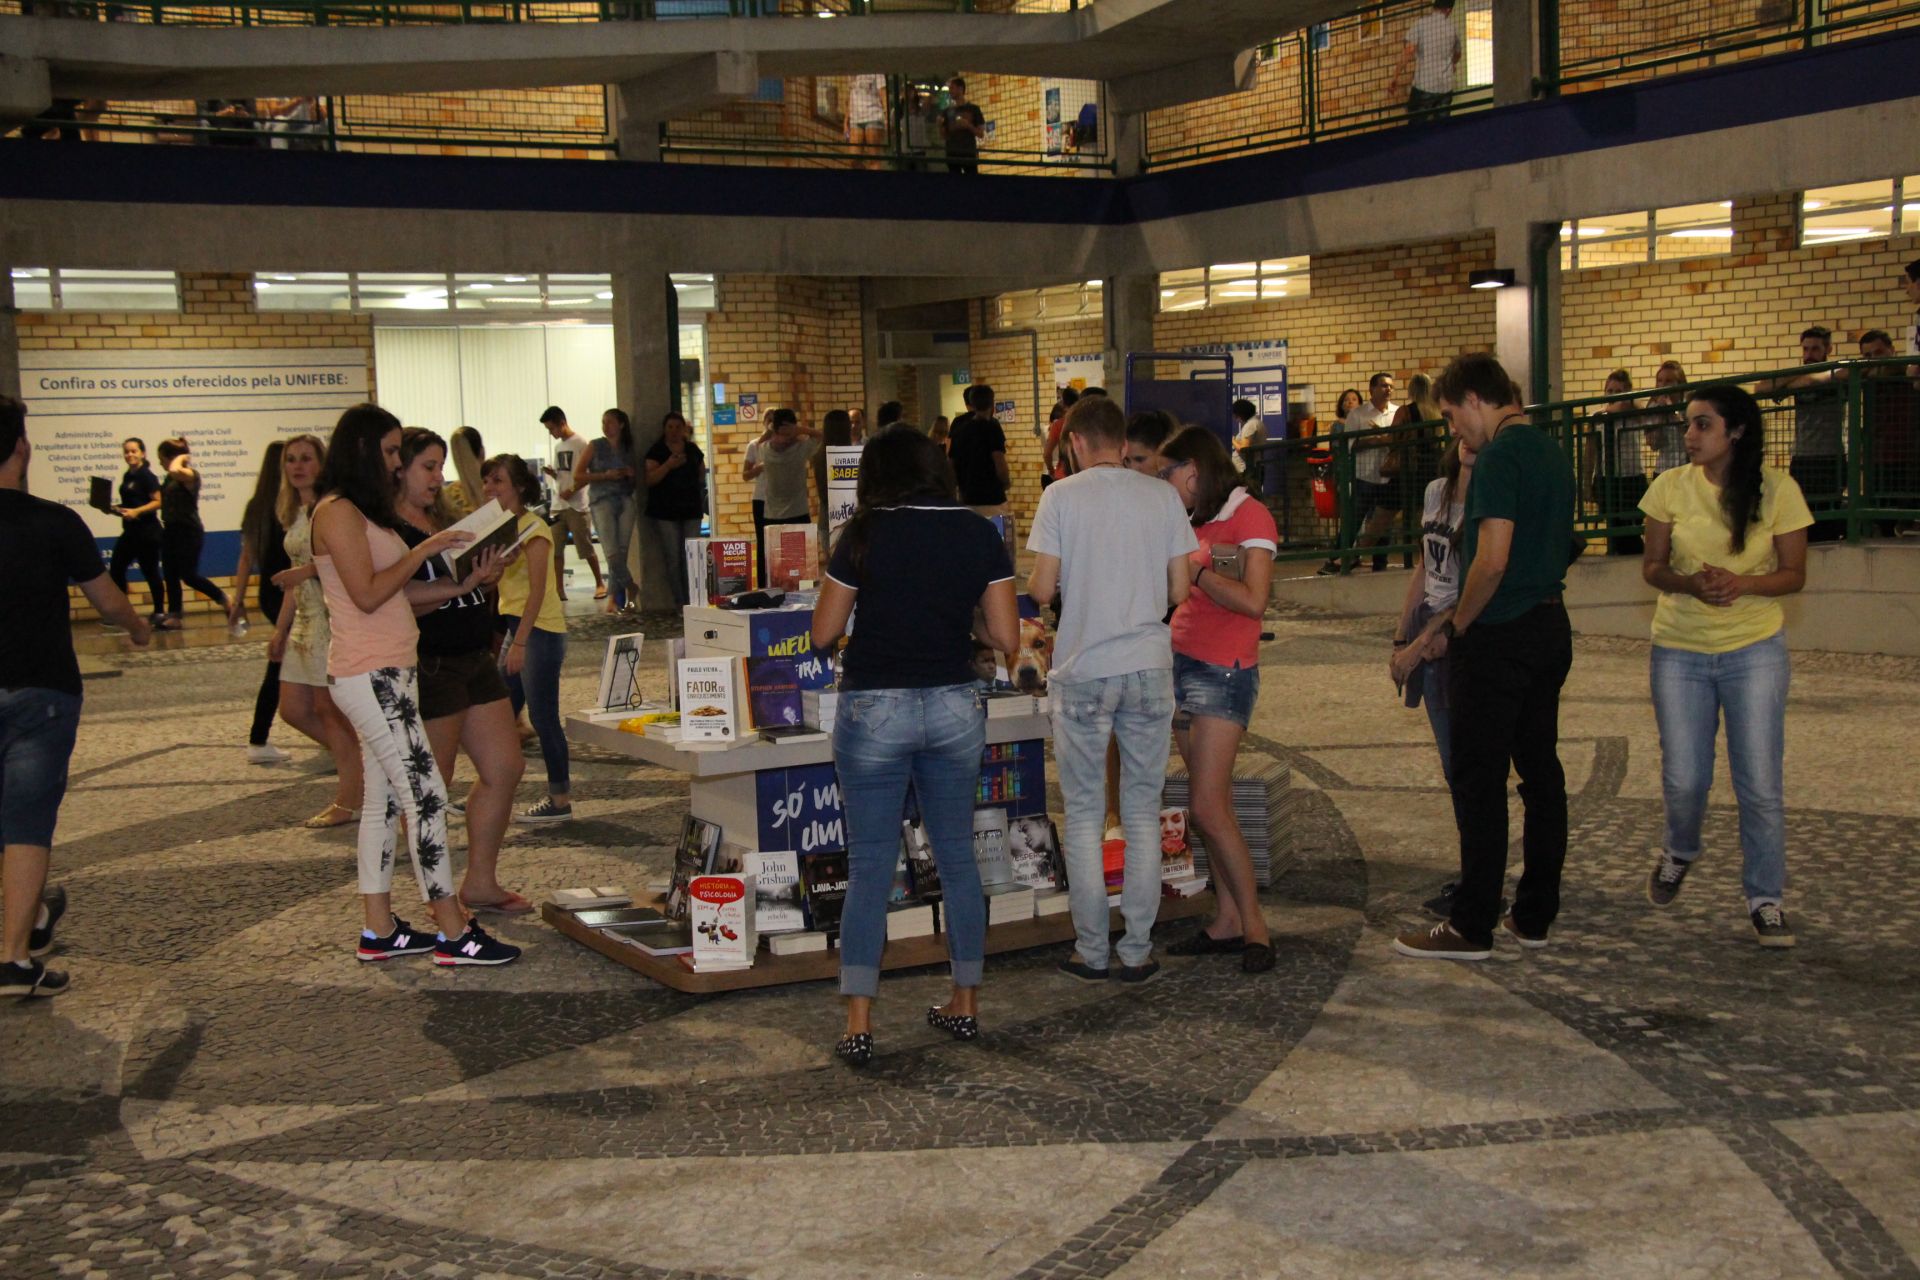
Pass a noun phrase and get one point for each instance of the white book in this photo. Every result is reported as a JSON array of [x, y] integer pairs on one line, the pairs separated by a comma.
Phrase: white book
[[720, 910], [990, 847], [794, 944], [707, 701], [1051, 902], [776, 887], [910, 922], [620, 672], [584, 898]]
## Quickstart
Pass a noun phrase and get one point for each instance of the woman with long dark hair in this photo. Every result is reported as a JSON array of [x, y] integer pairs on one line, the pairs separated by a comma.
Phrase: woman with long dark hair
[[1726, 536], [605, 469], [364, 568], [676, 497], [535, 622], [910, 707], [181, 533], [1216, 676], [139, 512], [301, 636], [462, 696], [262, 547]]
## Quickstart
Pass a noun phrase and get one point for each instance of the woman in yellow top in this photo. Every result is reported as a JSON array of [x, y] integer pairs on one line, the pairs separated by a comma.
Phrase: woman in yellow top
[[1726, 535], [536, 629]]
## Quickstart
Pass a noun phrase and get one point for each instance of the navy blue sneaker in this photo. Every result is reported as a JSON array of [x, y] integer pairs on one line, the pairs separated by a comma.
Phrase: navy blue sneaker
[[40, 941], [405, 940], [475, 946], [31, 979]]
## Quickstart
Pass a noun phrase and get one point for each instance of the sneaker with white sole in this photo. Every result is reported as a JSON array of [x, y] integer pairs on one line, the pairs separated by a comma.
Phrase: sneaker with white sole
[[267, 753], [1531, 941], [53, 902], [475, 946], [1442, 942], [405, 940], [1770, 925], [545, 811], [1669, 873], [30, 980]]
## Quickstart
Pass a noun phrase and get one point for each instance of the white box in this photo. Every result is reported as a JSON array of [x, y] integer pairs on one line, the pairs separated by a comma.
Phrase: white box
[[721, 913]]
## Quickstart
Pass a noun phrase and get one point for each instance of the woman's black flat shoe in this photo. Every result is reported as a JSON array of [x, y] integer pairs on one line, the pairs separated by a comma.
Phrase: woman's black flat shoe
[[1257, 958], [856, 1050], [1203, 943], [961, 1026]]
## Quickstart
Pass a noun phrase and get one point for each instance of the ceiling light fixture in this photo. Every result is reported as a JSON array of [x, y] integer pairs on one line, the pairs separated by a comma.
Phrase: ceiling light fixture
[[1491, 278]]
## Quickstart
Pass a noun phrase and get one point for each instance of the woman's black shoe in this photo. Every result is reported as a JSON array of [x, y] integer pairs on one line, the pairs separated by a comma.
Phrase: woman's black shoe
[[1204, 944], [855, 1049], [961, 1026], [1257, 958]]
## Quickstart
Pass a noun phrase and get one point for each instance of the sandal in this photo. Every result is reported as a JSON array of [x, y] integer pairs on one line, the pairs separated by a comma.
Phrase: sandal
[[334, 815], [511, 905], [599, 593]]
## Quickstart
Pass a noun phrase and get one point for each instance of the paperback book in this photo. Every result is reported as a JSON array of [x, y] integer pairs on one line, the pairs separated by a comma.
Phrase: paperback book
[[607, 917], [990, 846], [722, 918], [718, 568], [1176, 852], [776, 887], [100, 494], [587, 897], [706, 700], [823, 880], [793, 555], [773, 695], [699, 842], [922, 870], [1033, 848]]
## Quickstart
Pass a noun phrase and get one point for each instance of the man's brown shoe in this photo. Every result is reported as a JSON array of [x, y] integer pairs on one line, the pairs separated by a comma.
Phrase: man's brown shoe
[[1531, 941], [1442, 942]]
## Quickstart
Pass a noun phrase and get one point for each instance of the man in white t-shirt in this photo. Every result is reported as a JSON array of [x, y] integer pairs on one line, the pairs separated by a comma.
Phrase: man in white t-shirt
[[569, 504], [1375, 501], [1428, 63], [1114, 543]]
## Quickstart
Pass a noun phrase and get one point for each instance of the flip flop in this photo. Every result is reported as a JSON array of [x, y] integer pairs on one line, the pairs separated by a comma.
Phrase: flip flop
[[511, 905], [599, 593], [323, 820]]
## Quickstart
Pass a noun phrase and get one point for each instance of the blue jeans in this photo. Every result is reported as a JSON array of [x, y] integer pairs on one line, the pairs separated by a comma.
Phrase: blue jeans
[[1690, 691], [537, 688], [1136, 712], [882, 739], [37, 729], [613, 518]]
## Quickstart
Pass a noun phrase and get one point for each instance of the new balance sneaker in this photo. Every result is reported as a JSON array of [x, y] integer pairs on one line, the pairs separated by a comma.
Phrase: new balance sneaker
[[1669, 873], [31, 979], [545, 811], [1531, 941], [475, 946], [1442, 942], [53, 904], [1770, 926], [266, 753], [405, 940]]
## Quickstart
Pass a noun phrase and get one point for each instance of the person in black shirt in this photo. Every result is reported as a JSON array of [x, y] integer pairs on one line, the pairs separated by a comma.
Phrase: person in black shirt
[[676, 497], [181, 533], [139, 512], [962, 126], [978, 449], [47, 547]]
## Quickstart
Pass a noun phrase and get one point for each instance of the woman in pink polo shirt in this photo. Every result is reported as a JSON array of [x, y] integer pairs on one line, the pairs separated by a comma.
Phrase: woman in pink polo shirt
[[1216, 676]]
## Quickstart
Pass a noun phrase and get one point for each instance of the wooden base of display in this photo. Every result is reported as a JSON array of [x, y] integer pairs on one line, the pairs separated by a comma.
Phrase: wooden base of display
[[906, 953]]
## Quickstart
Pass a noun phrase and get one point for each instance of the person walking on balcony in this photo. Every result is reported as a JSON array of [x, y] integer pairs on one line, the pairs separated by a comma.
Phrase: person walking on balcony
[[1428, 63], [867, 119], [1819, 464], [961, 127], [1725, 536]]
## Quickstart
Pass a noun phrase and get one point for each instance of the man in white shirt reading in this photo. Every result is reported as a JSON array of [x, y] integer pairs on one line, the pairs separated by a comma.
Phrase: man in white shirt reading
[[1428, 62]]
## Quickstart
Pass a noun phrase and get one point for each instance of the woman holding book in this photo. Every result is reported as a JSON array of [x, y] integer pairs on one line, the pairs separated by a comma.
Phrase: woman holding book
[[364, 567], [139, 512], [181, 533], [676, 497], [910, 708], [536, 629], [463, 698], [301, 636], [1216, 676]]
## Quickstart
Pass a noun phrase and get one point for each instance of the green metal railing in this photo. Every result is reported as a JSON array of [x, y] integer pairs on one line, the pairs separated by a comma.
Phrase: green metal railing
[[401, 13], [1875, 487]]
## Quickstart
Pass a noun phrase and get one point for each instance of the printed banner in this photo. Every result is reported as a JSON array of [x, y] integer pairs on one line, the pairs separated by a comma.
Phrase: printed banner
[[1078, 372], [843, 479]]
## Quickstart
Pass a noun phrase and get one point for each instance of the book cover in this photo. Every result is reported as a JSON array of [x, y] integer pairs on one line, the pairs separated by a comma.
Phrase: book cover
[[990, 846], [589, 896], [902, 888], [729, 567], [606, 917], [728, 859], [1176, 852], [699, 840], [100, 494], [706, 700], [721, 912], [773, 694], [793, 555], [823, 881], [491, 525], [1033, 847], [676, 940], [776, 887], [922, 870], [620, 672]]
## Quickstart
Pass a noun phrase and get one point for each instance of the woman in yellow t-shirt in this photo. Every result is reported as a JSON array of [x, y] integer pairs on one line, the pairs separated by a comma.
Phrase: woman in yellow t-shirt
[[536, 625], [1726, 536]]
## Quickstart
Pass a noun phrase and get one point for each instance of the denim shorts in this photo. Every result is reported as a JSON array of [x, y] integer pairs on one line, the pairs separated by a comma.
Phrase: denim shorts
[[1206, 689], [452, 683], [37, 728]]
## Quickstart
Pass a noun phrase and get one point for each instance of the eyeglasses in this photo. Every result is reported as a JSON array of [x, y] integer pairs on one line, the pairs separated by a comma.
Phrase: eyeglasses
[[1166, 472]]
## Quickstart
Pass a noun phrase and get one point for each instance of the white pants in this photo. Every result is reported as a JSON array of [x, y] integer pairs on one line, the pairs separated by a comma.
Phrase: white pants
[[384, 708]]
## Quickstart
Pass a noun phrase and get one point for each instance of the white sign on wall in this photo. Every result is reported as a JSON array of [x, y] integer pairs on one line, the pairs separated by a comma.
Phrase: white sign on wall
[[1078, 372], [227, 404]]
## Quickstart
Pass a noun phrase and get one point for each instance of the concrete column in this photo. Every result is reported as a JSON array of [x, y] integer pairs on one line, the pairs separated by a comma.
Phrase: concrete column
[[9, 336], [875, 390], [1129, 142], [1527, 314], [1516, 50], [643, 347], [25, 90], [1129, 303], [638, 137]]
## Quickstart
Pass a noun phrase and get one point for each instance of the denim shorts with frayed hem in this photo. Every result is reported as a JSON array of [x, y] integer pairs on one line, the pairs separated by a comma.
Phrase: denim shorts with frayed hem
[[37, 729], [1207, 689]]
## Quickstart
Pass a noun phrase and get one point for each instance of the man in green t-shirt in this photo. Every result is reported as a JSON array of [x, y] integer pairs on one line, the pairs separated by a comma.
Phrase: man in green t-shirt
[[1511, 649]]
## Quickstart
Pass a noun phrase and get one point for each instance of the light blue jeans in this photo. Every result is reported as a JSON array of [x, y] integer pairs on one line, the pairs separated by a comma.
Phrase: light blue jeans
[[1690, 691], [613, 518], [882, 740], [1135, 711]]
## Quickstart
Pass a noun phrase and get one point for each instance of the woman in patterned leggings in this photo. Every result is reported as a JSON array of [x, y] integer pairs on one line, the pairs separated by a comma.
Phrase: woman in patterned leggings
[[364, 566]]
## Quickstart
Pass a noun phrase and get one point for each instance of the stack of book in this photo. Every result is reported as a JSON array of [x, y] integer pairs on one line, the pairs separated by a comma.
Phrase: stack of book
[[587, 897], [795, 944], [910, 920], [1007, 903], [645, 928], [1002, 703], [1051, 902], [1263, 801], [817, 707]]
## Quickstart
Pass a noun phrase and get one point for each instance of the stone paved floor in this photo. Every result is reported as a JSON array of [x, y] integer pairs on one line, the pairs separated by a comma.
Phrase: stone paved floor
[[226, 1092]]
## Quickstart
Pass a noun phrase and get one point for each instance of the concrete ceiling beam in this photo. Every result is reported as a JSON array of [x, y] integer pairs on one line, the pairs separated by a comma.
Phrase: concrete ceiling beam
[[26, 90], [693, 85]]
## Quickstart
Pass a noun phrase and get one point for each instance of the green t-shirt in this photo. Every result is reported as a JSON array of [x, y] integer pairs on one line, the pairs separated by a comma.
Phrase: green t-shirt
[[1522, 476]]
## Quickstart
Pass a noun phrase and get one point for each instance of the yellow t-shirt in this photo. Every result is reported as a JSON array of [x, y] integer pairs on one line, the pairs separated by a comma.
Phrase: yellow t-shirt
[[513, 583], [1684, 498]]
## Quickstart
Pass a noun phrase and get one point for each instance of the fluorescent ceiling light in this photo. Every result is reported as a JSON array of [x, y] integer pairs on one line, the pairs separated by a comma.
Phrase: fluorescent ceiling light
[[1701, 233]]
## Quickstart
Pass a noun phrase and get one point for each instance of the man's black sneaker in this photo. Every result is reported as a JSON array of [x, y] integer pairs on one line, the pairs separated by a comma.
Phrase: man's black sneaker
[[1137, 973], [40, 940], [1669, 873], [475, 946], [31, 979], [1440, 905], [1770, 926], [405, 940]]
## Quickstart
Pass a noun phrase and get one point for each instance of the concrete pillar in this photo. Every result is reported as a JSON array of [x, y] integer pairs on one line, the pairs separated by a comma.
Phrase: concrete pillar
[[1129, 303], [1516, 50], [643, 346], [637, 137], [9, 336], [1129, 142], [25, 90], [1527, 314], [875, 389]]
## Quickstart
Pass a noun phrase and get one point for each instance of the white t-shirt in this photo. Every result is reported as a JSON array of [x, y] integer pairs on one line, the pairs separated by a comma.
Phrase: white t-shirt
[[1440, 544], [1432, 38], [866, 101], [760, 481], [1367, 462], [1114, 531], [566, 452]]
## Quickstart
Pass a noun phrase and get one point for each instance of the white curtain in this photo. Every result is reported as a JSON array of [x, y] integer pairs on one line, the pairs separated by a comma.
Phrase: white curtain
[[503, 386], [417, 375], [580, 373]]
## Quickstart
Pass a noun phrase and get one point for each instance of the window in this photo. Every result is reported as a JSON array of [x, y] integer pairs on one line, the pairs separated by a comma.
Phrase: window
[[501, 294], [1649, 235], [77, 289], [1028, 307], [1269, 280], [1860, 211]]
